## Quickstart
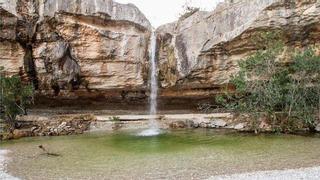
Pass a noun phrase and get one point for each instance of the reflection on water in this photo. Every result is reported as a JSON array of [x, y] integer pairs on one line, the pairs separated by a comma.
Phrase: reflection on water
[[183, 154]]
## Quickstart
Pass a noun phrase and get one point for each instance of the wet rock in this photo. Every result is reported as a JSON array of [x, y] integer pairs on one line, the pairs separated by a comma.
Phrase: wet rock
[[178, 125], [34, 128], [190, 124], [62, 125], [240, 126], [56, 126], [318, 128], [203, 125], [217, 123], [265, 126], [196, 125], [19, 133]]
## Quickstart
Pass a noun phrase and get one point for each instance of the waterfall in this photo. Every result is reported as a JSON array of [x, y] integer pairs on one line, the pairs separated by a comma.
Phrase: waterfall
[[153, 81], [153, 125]]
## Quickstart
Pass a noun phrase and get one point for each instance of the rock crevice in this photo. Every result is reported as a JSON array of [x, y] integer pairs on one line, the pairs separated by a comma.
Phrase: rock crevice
[[99, 48]]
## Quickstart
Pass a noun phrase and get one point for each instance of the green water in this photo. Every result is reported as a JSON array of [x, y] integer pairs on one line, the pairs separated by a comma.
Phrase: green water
[[196, 154]]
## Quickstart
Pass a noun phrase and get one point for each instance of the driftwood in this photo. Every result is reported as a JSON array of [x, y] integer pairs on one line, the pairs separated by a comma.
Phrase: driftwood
[[47, 152]]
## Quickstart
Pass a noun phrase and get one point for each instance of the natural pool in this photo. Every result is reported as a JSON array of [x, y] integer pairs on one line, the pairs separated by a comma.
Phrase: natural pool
[[187, 154]]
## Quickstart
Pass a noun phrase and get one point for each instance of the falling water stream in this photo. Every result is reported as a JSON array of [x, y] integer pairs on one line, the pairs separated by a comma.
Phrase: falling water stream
[[153, 125]]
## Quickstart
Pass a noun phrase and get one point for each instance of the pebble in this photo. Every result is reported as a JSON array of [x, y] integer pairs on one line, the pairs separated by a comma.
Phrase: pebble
[[292, 174]]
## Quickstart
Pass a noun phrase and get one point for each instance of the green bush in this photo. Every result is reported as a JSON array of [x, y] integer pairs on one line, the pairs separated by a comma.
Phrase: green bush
[[287, 92], [15, 97]]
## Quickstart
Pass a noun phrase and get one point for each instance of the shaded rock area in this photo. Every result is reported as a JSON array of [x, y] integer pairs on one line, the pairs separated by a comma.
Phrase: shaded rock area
[[76, 49], [225, 121], [90, 53], [57, 125], [198, 54], [98, 50]]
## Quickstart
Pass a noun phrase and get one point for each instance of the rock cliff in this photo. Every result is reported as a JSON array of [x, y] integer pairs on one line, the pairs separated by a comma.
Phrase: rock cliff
[[199, 53], [99, 48], [73, 49]]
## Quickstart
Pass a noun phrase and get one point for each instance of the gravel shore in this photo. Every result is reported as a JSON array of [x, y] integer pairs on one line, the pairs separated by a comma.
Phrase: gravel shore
[[3, 174], [292, 174]]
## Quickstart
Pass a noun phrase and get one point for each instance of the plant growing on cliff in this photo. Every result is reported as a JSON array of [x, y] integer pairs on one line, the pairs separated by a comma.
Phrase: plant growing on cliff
[[15, 97], [188, 11], [287, 93]]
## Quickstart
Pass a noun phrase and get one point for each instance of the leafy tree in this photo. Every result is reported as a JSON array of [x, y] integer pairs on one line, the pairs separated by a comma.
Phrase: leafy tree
[[286, 92], [15, 97]]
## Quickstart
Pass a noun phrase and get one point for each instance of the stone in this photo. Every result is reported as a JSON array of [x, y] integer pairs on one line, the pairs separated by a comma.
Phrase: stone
[[203, 125], [240, 126], [318, 128], [178, 125], [190, 124], [34, 128], [62, 125], [265, 126], [19, 133], [217, 123], [196, 125]]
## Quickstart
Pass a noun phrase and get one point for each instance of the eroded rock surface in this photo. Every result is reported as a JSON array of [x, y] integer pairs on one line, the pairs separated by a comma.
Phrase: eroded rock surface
[[73, 48], [99, 49], [198, 54]]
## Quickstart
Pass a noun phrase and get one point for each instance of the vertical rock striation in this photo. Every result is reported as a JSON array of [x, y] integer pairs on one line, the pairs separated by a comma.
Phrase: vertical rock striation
[[198, 54], [74, 49], [99, 48]]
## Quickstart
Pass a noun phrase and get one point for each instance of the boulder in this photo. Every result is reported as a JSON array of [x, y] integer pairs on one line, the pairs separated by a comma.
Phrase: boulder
[[19, 133], [218, 123]]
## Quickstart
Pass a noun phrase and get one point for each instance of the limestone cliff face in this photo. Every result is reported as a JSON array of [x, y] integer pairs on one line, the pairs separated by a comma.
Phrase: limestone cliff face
[[99, 49], [75, 48], [198, 54]]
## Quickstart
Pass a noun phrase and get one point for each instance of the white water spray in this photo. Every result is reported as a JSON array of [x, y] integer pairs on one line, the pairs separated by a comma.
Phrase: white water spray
[[153, 125]]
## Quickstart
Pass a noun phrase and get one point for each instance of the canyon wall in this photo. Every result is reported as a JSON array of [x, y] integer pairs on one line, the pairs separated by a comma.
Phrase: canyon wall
[[98, 49], [199, 53], [75, 49]]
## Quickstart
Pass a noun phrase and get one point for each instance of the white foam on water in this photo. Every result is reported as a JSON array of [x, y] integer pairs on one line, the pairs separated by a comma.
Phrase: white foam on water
[[150, 132], [3, 174]]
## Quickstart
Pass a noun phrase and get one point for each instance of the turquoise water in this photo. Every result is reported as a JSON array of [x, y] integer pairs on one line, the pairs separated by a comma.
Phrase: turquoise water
[[196, 154]]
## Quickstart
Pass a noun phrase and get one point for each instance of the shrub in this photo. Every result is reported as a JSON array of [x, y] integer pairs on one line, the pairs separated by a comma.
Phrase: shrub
[[188, 11], [288, 93], [15, 97]]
